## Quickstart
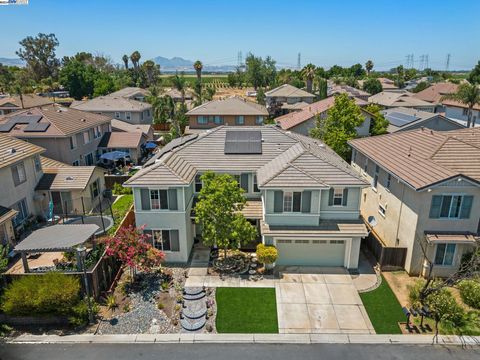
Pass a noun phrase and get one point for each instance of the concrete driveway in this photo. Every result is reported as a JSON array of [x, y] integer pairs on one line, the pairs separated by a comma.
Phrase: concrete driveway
[[319, 300]]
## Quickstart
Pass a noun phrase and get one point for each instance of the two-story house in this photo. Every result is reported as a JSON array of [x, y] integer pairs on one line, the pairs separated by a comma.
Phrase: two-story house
[[232, 111], [11, 104], [400, 98], [286, 98], [302, 196], [68, 135], [127, 104], [424, 194]]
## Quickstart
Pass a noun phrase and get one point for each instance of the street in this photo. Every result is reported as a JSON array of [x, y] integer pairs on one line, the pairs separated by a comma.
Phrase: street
[[232, 352]]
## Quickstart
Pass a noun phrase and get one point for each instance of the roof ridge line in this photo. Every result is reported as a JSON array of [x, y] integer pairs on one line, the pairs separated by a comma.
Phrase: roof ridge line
[[175, 173], [286, 164], [307, 174], [447, 137]]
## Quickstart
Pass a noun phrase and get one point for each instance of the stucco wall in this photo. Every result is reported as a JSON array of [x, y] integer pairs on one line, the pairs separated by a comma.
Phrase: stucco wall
[[227, 120], [457, 113]]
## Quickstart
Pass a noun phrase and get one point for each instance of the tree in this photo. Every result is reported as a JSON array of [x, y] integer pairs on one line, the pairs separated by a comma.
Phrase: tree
[[132, 247], [322, 88], [379, 124], [254, 71], [422, 85], [180, 83], [78, 78], [308, 73], [261, 96], [468, 95], [4, 249], [356, 71], [372, 86], [198, 66], [340, 125], [135, 58], [369, 66], [474, 76], [21, 84], [39, 54], [125, 61], [103, 84], [151, 72], [219, 209]]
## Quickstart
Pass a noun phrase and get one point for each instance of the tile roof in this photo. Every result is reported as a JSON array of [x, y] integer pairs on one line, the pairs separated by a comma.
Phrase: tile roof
[[66, 178], [120, 125], [48, 163], [287, 90], [63, 121], [459, 104], [234, 105], [129, 140], [397, 98], [309, 160], [434, 92], [387, 84], [424, 157], [129, 92], [349, 90], [29, 101], [110, 103], [13, 150]]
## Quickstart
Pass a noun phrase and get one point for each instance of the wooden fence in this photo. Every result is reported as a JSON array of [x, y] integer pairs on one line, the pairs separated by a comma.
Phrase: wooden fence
[[111, 180], [389, 258]]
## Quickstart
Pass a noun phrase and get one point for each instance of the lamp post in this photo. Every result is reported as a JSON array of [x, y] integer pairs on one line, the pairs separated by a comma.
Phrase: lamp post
[[82, 252]]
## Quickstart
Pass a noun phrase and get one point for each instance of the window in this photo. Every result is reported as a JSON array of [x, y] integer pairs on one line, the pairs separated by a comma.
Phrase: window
[[218, 120], [73, 142], [95, 189], [148, 112], [202, 120], [76, 163], [165, 240], [18, 173], [382, 209], [89, 159], [128, 115], [389, 181], [22, 214], [198, 183], [97, 132], [465, 112], [86, 137], [292, 201], [255, 184], [444, 254], [451, 206], [158, 199], [259, 120], [337, 197], [38, 164], [354, 155], [365, 166], [239, 120], [375, 177], [117, 115]]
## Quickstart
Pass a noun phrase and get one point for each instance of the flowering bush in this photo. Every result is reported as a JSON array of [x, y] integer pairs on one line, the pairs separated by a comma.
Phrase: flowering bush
[[132, 247]]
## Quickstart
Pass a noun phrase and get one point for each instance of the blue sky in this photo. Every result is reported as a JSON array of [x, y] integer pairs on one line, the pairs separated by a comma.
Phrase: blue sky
[[330, 32]]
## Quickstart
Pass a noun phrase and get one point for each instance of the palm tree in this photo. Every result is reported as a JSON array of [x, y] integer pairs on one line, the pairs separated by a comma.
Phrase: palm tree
[[135, 58], [179, 83], [125, 61], [198, 66], [369, 66], [308, 73], [469, 95]]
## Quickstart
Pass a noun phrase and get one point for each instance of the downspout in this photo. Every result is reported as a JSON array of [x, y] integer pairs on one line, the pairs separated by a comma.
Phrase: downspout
[[399, 217]]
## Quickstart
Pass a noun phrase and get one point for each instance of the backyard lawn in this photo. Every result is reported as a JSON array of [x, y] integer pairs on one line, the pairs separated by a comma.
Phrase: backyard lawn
[[383, 309], [246, 310]]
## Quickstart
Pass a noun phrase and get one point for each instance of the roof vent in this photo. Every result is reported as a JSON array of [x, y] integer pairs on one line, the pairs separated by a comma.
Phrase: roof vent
[[11, 151], [69, 178], [83, 120]]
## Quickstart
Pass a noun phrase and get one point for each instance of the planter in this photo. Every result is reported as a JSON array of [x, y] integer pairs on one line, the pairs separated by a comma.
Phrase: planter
[[269, 266]]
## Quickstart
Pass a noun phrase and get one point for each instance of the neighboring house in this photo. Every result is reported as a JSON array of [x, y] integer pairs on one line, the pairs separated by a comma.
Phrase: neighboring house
[[122, 126], [459, 112], [7, 234], [304, 120], [434, 93], [71, 189], [11, 104], [302, 197], [231, 111], [286, 98], [127, 104], [400, 98], [387, 84], [424, 194], [130, 142], [401, 119], [68, 135], [177, 95], [349, 90]]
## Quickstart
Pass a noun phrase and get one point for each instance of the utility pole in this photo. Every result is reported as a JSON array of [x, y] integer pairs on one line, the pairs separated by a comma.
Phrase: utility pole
[[239, 59], [447, 65], [299, 62]]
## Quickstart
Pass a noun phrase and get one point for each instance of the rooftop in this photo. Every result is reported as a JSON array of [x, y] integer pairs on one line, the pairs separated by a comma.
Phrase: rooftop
[[65, 178], [129, 140], [434, 92], [287, 90], [119, 125], [345, 89], [397, 98], [234, 105], [111, 103], [29, 101], [13, 150], [422, 158]]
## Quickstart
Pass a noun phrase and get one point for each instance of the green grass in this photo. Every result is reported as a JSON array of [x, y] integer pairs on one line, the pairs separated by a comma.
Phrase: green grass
[[246, 310], [120, 209], [383, 309]]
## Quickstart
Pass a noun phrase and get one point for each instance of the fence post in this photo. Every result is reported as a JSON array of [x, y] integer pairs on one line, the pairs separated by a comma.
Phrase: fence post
[[111, 210], [83, 206], [101, 216]]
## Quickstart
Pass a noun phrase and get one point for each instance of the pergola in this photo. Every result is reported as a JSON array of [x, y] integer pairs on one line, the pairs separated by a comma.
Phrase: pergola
[[56, 238]]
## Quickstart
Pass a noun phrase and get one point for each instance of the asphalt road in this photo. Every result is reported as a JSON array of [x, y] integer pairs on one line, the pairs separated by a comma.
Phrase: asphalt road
[[232, 352]]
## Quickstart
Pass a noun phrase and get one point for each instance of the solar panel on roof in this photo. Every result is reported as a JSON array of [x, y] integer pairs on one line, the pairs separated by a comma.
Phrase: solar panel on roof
[[400, 119], [32, 122], [38, 127], [243, 142]]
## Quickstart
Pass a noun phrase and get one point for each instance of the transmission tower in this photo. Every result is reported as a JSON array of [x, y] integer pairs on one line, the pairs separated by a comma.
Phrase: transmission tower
[[240, 58], [299, 62], [447, 65], [422, 62], [426, 61]]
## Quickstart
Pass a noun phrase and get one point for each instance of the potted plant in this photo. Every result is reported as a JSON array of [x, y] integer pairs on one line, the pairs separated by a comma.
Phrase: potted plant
[[267, 254]]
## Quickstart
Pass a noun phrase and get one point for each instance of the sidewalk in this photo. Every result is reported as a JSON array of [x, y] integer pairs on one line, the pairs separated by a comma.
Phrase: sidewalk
[[250, 339]]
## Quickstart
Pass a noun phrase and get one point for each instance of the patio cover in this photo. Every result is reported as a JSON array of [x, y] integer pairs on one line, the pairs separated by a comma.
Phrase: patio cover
[[57, 238], [253, 209], [466, 238]]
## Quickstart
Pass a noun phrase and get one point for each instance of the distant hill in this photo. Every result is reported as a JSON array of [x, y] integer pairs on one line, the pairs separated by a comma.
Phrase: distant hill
[[11, 62], [175, 63]]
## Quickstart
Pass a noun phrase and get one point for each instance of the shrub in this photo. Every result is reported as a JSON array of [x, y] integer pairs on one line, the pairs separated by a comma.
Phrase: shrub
[[53, 293], [160, 306], [79, 315], [414, 293], [111, 302], [267, 254], [445, 308], [118, 189], [470, 293]]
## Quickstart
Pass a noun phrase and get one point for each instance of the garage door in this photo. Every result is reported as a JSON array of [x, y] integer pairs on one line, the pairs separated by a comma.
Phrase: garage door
[[311, 252]]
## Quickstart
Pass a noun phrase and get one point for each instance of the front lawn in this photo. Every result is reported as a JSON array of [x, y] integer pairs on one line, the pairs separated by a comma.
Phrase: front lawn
[[246, 310], [383, 309], [120, 209]]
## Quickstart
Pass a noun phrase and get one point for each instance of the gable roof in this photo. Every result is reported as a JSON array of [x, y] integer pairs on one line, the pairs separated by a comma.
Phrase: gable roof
[[234, 105], [285, 160], [29, 101], [129, 92], [60, 176], [62, 121], [422, 158], [287, 90], [349, 90], [129, 140], [48, 163], [397, 99], [110, 103], [13, 150], [435, 92], [119, 125], [459, 104]]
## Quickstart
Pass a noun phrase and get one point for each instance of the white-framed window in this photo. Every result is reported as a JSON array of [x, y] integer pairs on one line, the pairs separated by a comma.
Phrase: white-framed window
[[165, 240], [158, 199], [198, 183], [239, 120], [76, 163], [18, 173], [73, 142], [202, 120], [354, 155], [338, 197], [389, 181], [95, 189], [86, 137], [451, 206], [128, 115], [117, 114], [375, 176], [292, 201], [365, 165], [382, 209], [445, 254], [259, 120], [38, 163]]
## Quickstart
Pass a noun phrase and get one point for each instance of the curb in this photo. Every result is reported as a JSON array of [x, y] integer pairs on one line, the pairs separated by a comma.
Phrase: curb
[[186, 338]]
